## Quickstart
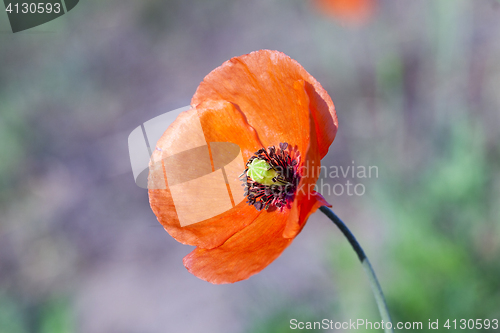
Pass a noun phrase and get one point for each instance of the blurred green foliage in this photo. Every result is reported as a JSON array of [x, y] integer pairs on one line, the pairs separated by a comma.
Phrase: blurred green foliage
[[52, 316], [444, 224], [279, 322]]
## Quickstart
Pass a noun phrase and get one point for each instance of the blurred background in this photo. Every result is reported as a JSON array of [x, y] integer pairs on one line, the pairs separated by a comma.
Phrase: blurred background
[[417, 90]]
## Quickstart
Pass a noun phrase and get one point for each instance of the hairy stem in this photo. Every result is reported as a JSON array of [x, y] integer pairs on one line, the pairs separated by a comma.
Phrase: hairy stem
[[374, 284]]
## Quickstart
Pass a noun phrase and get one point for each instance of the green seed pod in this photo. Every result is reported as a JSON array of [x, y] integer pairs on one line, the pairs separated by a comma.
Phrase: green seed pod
[[261, 172]]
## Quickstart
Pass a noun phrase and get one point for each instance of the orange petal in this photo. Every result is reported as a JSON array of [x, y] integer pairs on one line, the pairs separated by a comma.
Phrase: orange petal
[[220, 121], [246, 253], [308, 199], [261, 85]]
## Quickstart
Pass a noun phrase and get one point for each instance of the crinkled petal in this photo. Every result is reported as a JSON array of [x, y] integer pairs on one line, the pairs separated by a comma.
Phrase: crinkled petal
[[261, 85], [246, 253]]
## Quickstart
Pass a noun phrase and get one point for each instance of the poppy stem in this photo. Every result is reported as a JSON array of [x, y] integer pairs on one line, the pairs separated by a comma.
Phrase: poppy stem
[[374, 284]]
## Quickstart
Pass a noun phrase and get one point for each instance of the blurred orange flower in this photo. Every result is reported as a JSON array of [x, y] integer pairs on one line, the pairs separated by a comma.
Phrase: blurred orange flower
[[262, 99], [347, 11]]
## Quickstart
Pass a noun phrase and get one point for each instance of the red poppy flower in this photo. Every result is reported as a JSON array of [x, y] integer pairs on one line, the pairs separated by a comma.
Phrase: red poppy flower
[[347, 11], [280, 118]]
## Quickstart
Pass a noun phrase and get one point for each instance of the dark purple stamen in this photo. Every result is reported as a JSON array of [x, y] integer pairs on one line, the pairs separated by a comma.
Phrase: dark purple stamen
[[285, 161]]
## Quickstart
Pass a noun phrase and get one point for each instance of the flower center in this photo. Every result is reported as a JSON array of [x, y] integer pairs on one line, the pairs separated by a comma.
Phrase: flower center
[[271, 177]]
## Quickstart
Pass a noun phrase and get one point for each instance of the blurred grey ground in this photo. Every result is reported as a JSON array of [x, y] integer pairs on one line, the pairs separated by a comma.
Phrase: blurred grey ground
[[417, 94]]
